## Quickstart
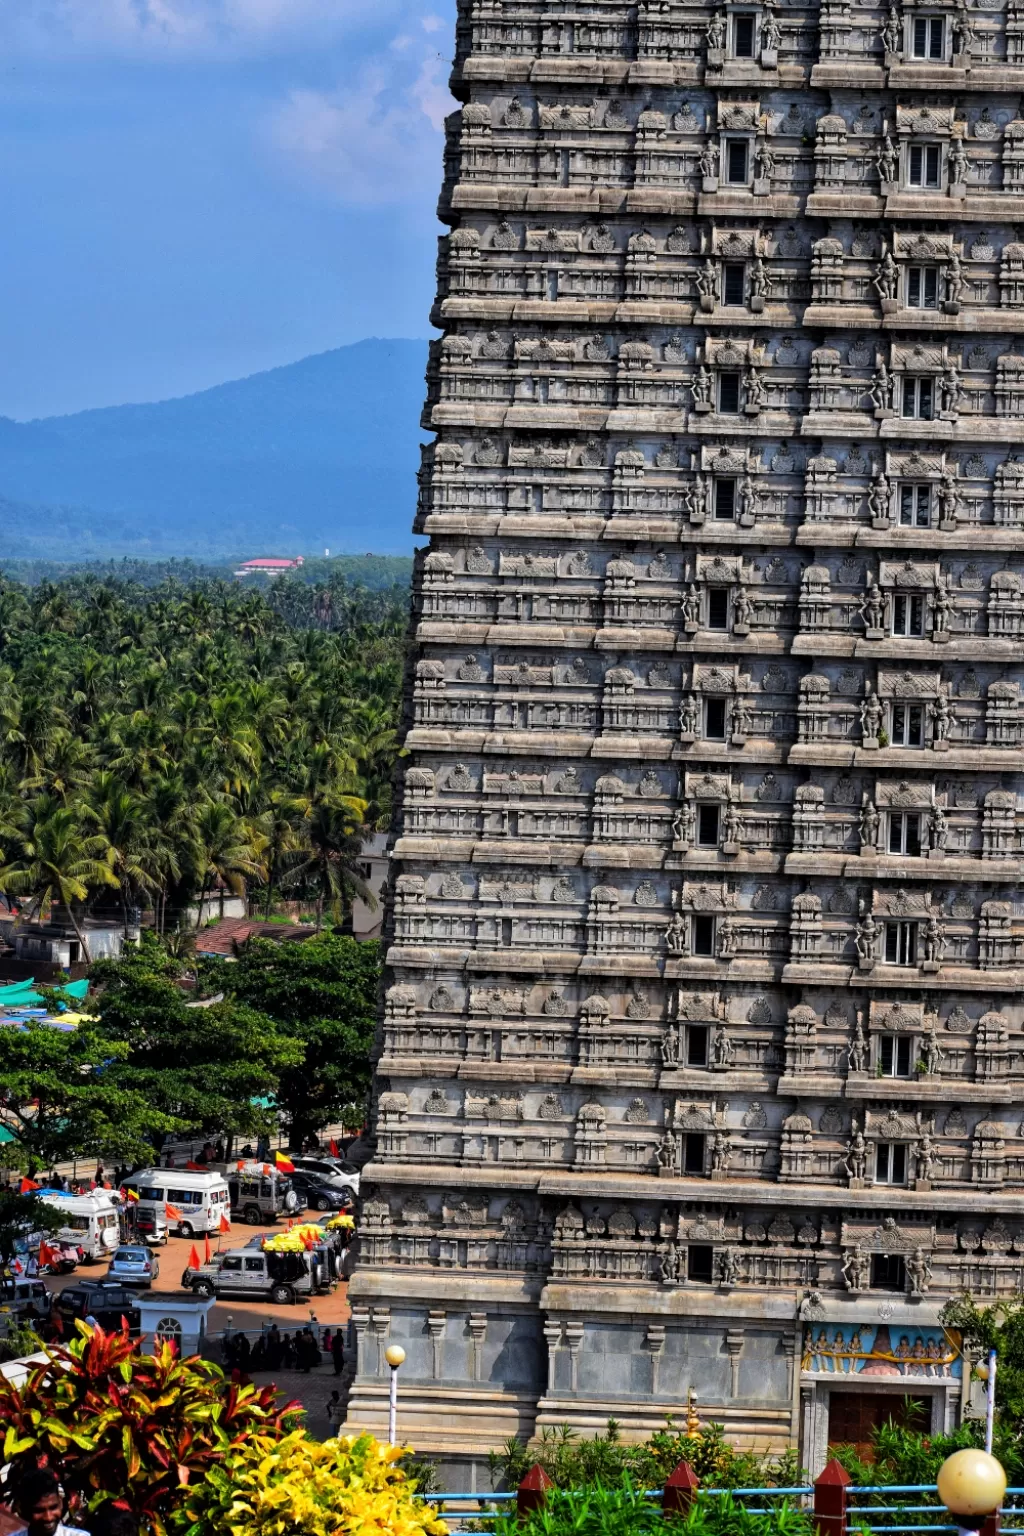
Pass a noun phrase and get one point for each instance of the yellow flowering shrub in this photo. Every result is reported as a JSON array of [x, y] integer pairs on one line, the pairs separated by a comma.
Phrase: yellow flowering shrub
[[298, 1486]]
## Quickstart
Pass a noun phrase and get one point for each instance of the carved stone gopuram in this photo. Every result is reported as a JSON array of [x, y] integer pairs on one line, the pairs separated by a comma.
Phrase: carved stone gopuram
[[702, 1055]]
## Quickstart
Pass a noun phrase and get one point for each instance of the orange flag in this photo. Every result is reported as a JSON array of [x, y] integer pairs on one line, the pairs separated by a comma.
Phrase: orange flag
[[28, 1185], [193, 1258], [225, 1224], [207, 1252], [173, 1214], [333, 1146]]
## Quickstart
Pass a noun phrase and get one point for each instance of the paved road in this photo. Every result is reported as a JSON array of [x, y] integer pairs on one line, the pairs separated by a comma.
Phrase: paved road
[[250, 1315]]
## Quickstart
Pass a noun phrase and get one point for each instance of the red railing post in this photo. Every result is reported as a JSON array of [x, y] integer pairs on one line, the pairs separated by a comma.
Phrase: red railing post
[[680, 1490], [992, 1524], [830, 1500], [533, 1490]]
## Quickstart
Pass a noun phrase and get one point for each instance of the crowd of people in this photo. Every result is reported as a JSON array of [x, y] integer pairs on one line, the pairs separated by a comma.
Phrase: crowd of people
[[273, 1350]]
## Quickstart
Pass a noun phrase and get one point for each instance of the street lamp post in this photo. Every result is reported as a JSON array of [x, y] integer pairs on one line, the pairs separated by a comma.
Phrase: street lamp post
[[971, 1484], [395, 1356], [986, 1372]]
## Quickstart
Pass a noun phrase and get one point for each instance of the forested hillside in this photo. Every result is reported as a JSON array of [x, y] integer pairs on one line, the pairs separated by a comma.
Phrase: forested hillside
[[320, 454]]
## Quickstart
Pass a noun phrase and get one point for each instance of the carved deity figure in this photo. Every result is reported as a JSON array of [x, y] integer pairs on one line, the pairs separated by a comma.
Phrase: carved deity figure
[[741, 721], [684, 823], [720, 1153], [671, 1264], [892, 31], [771, 33], [950, 388], [953, 271], [855, 1269], [670, 1047], [855, 1157], [676, 935], [756, 392], [728, 1268], [872, 605], [708, 158], [919, 1272], [886, 159], [695, 495], [869, 823], [726, 939], [858, 1052], [741, 606], [934, 938], [730, 825], [931, 1053], [871, 716], [962, 32], [689, 715], [887, 276], [878, 493], [715, 33], [668, 1152], [882, 389], [958, 166], [942, 606], [924, 1156], [722, 1049], [707, 280], [949, 497], [748, 497], [690, 605], [867, 937], [701, 387], [764, 169], [938, 829], [761, 284], [942, 717]]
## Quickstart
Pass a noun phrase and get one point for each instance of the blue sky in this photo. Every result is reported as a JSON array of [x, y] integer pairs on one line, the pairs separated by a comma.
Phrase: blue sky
[[192, 190]]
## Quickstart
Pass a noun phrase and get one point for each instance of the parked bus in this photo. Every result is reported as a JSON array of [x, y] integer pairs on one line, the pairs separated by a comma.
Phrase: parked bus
[[202, 1199]]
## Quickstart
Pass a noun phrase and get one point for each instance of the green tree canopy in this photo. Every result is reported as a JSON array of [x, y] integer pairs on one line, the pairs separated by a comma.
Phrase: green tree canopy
[[322, 994], [203, 1064], [65, 1096]]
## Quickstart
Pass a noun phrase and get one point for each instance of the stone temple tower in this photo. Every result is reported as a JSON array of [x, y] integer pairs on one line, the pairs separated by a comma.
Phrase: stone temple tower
[[702, 1053]]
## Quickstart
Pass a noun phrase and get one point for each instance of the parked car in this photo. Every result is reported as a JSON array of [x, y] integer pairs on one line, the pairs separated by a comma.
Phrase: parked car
[[26, 1298], [335, 1170], [107, 1303], [318, 1194], [134, 1265]]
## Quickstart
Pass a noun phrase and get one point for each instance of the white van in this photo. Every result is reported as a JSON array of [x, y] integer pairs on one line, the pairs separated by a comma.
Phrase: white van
[[202, 1198], [90, 1221]]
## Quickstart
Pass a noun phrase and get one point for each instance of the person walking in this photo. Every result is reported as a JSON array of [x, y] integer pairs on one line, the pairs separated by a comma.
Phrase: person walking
[[338, 1351]]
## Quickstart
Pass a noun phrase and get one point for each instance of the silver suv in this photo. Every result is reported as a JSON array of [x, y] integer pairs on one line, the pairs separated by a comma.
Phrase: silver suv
[[134, 1266]]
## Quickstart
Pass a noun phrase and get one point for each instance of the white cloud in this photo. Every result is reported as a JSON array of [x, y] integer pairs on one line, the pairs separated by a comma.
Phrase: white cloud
[[190, 26], [377, 141]]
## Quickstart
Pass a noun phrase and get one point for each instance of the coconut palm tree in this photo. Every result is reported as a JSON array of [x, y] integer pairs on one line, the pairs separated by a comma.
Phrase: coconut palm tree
[[58, 864]]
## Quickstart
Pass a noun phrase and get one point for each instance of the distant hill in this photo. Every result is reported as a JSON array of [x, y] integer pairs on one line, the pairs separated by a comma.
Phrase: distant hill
[[320, 454]]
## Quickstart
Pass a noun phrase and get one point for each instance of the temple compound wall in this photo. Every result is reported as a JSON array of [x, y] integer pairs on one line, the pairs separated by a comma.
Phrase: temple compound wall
[[702, 1050]]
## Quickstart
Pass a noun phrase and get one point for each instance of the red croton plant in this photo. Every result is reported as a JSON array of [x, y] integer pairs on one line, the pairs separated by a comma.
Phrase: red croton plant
[[115, 1423]]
